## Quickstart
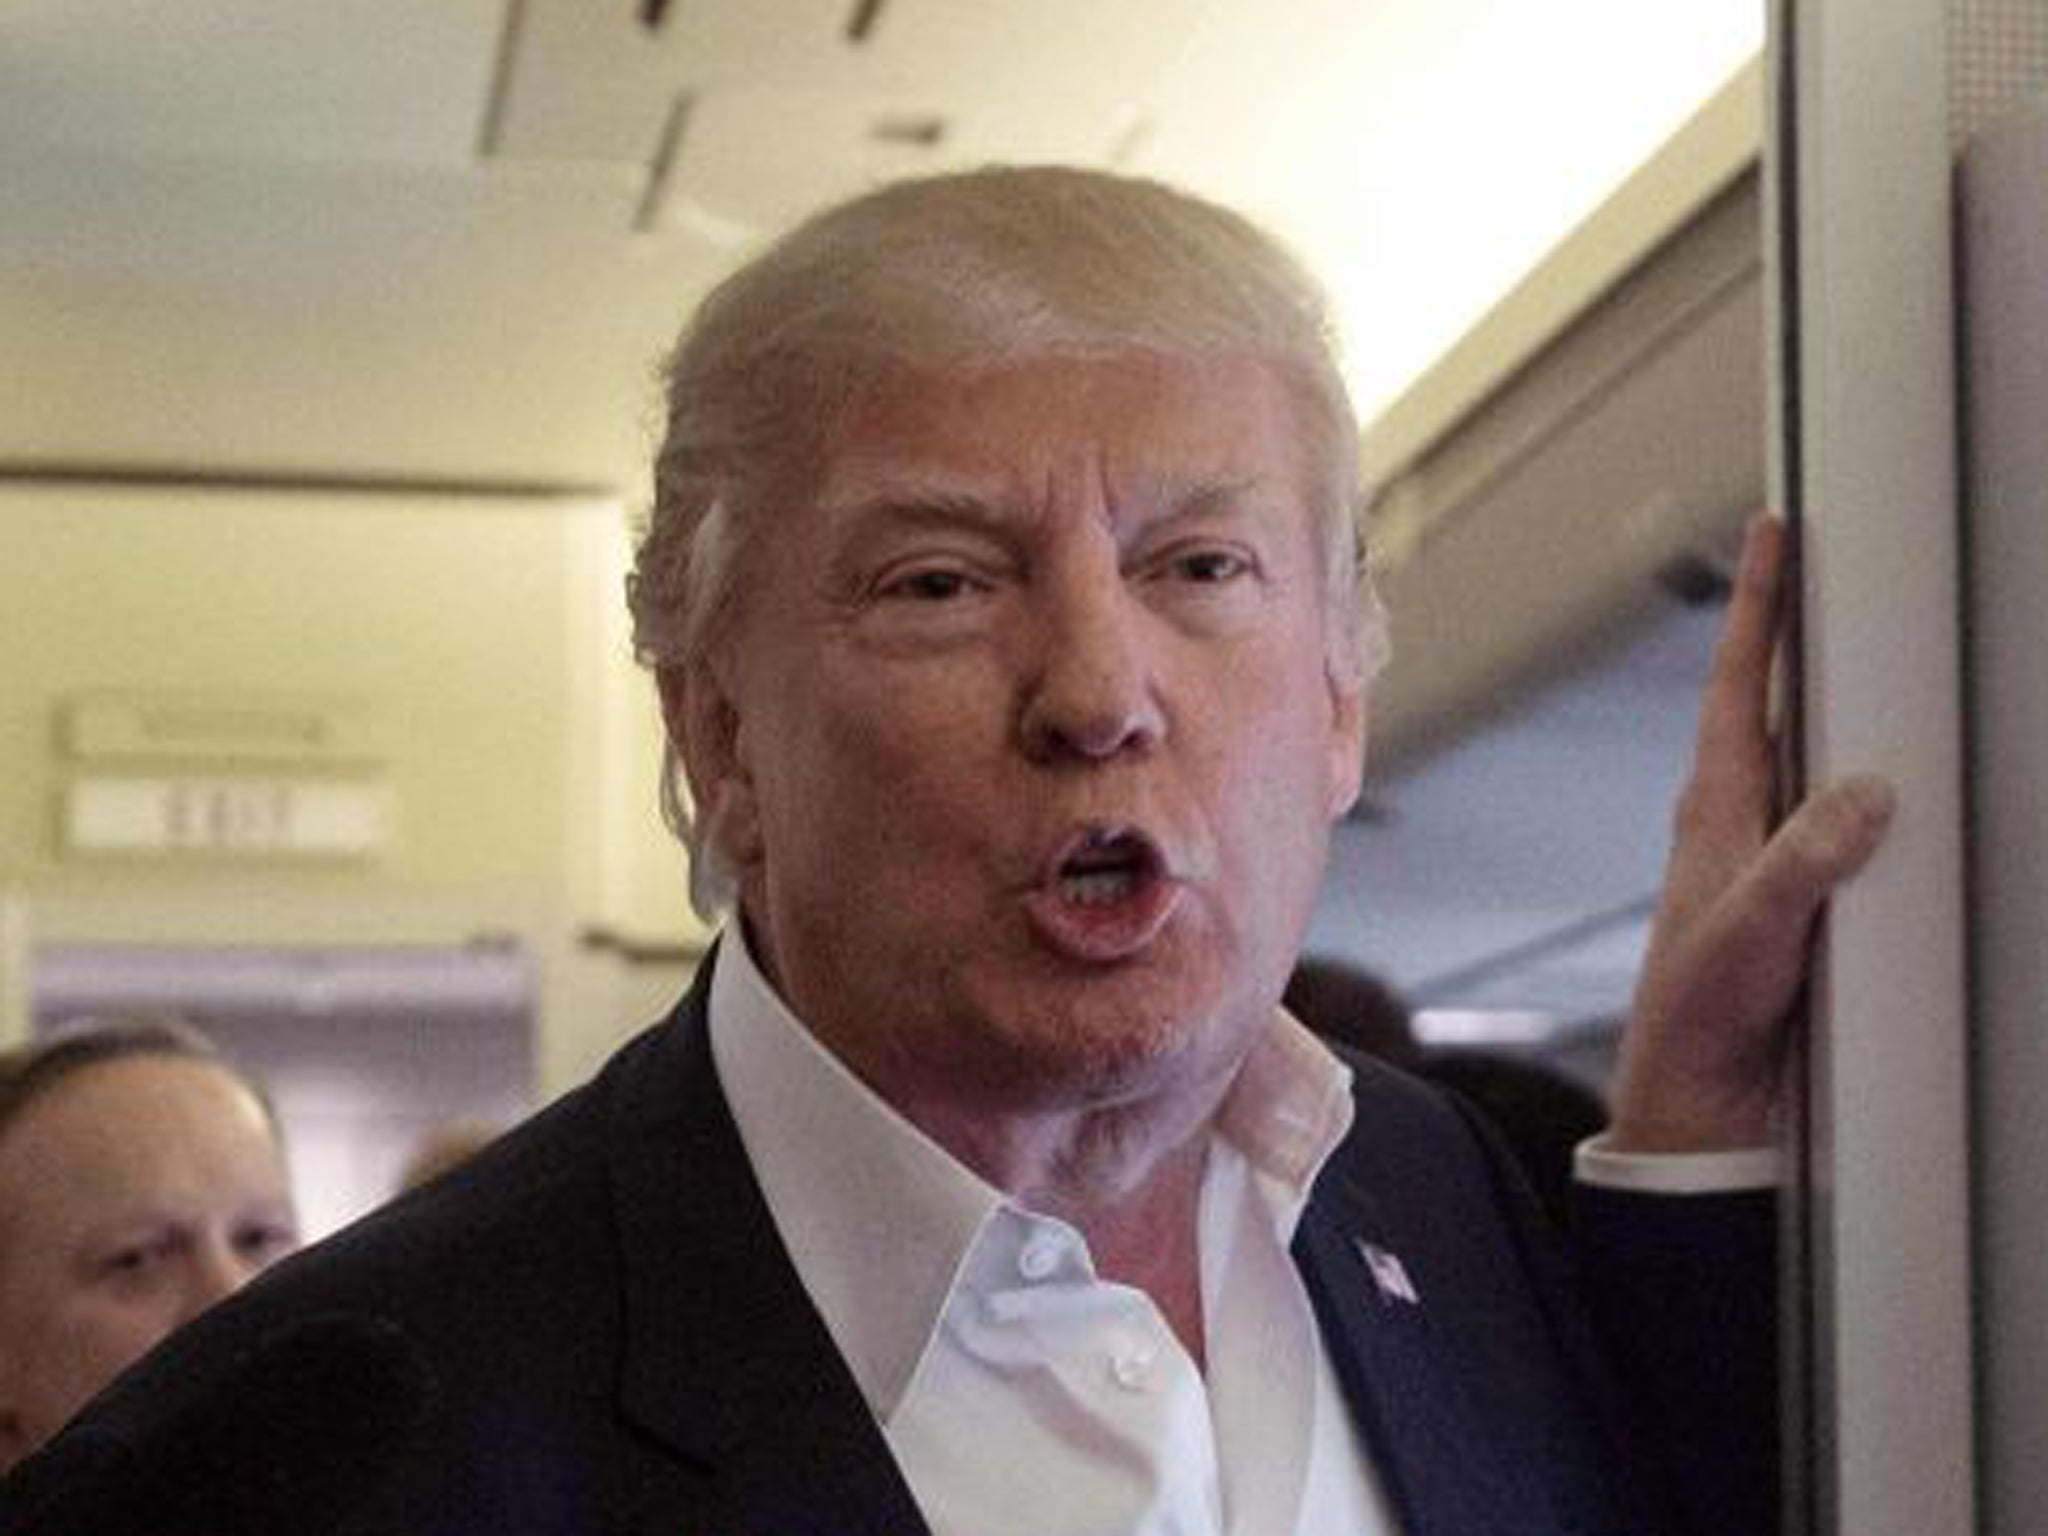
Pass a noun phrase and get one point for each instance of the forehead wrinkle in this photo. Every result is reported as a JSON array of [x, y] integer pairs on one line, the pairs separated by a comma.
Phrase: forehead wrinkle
[[905, 478], [1217, 493], [882, 485], [911, 506]]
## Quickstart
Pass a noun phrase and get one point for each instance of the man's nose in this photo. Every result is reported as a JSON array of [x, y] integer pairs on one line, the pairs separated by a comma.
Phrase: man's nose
[[1094, 693]]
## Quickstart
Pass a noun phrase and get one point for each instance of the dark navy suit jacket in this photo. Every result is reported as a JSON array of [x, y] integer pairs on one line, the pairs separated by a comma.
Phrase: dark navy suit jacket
[[601, 1333]]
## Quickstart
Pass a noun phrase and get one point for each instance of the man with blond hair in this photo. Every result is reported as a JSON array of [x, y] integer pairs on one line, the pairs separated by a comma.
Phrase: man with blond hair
[[1003, 595]]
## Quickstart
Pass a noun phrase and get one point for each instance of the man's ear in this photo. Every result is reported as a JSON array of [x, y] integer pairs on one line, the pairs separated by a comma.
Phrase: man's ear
[[1350, 691], [706, 733]]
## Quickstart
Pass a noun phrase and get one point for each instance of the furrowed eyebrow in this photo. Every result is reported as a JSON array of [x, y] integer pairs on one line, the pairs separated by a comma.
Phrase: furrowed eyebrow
[[1207, 496], [912, 507], [1192, 503], [871, 520], [915, 507]]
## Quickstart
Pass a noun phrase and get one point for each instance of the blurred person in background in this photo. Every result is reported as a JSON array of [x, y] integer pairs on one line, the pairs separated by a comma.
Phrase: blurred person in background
[[1542, 1113], [1347, 1004], [141, 1180]]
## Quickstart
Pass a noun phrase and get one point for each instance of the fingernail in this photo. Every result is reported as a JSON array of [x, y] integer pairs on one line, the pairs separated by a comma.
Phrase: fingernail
[[1874, 798], [1757, 535]]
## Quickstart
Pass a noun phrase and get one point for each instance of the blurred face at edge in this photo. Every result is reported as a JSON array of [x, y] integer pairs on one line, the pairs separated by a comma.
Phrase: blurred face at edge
[[134, 1193], [1038, 716]]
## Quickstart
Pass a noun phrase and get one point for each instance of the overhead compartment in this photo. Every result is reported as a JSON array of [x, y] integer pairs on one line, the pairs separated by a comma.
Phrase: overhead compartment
[[1588, 452]]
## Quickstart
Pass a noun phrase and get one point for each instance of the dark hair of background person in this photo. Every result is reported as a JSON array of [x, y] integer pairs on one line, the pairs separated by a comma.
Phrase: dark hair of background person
[[29, 1071], [1352, 1007], [1541, 1113]]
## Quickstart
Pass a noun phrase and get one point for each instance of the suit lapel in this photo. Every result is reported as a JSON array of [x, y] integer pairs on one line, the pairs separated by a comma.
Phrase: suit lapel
[[1428, 1441], [728, 1364], [726, 1360]]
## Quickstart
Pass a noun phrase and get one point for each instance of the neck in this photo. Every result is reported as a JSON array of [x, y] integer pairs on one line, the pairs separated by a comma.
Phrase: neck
[[1150, 1244], [1128, 1178]]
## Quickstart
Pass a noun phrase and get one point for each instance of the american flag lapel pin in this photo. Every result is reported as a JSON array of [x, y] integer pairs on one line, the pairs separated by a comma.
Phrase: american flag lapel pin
[[1389, 1275]]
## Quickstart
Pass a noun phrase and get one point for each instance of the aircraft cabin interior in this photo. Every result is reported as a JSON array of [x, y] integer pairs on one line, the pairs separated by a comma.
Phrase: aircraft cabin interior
[[330, 341], [334, 335]]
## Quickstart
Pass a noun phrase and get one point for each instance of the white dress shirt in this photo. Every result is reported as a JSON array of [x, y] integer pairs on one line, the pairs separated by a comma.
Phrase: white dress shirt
[[1019, 1392]]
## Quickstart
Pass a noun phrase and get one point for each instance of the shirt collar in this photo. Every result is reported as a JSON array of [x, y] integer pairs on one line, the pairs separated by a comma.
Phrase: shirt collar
[[880, 1220]]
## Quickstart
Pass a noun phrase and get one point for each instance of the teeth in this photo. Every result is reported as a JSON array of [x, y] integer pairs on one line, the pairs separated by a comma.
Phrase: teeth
[[1098, 887]]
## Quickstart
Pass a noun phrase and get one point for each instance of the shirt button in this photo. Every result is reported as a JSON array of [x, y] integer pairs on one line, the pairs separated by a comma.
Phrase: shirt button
[[1130, 1366], [1039, 1258]]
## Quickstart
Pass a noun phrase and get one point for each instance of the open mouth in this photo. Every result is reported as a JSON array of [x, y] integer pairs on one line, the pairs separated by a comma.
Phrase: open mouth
[[1105, 868], [1105, 896]]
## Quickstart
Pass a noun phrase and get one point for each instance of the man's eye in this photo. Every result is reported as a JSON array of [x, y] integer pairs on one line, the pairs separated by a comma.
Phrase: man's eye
[[134, 1259], [1209, 565], [935, 585], [267, 1241]]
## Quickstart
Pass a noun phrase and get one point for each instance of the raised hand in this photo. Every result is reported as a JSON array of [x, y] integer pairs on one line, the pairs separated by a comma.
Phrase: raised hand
[[1701, 1059]]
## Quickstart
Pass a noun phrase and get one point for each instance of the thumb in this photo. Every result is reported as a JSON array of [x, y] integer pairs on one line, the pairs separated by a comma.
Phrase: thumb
[[1827, 839]]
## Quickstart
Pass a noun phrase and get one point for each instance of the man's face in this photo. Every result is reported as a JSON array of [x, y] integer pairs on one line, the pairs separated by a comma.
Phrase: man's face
[[1029, 744], [133, 1194]]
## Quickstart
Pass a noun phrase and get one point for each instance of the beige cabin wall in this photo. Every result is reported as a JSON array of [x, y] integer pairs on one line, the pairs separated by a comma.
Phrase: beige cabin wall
[[483, 638]]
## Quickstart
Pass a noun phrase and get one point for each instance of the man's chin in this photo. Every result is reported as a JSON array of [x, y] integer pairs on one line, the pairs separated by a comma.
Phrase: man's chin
[[1107, 1044]]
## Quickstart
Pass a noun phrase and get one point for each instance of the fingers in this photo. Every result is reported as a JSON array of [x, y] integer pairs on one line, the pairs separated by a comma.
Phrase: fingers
[[1730, 944], [1831, 836], [1734, 715], [1700, 1061], [1728, 802]]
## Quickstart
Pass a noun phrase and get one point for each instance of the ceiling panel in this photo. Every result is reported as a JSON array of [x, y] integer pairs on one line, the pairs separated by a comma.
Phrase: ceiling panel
[[588, 80], [385, 80], [749, 160], [750, 114]]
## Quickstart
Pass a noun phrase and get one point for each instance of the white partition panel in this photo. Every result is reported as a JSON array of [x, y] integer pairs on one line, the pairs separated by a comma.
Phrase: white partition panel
[[2005, 247], [1871, 479]]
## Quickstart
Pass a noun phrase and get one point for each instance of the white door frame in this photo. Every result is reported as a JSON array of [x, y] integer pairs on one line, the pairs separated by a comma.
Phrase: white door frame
[[1872, 483]]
